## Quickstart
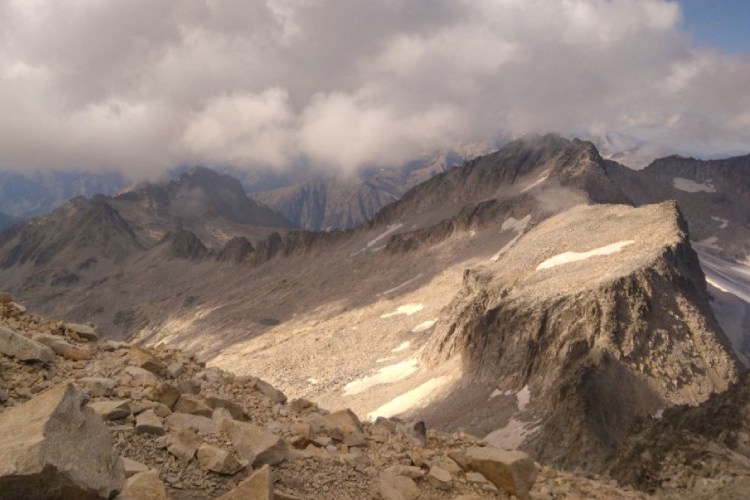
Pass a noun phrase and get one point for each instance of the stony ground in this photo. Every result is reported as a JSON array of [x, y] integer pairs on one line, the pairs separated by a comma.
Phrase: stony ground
[[203, 433]]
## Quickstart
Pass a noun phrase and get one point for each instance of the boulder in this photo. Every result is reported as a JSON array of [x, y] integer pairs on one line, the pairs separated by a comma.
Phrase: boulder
[[62, 348], [398, 488], [183, 444], [272, 393], [14, 344], [199, 424], [143, 486], [175, 369], [259, 486], [237, 411], [405, 470], [256, 445], [144, 359], [133, 467], [98, 387], [193, 404], [141, 376], [149, 423], [111, 410], [87, 332], [218, 460], [222, 420], [511, 471], [189, 387], [439, 478], [53, 446], [164, 393], [343, 425]]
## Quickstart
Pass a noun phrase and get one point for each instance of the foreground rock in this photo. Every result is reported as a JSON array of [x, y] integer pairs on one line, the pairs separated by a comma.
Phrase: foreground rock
[[259, 486], [143, 486], [511, 471], [53, 446], [23, 348]]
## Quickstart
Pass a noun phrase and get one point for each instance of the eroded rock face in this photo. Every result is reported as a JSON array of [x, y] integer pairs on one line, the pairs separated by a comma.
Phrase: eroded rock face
[[596, 339], [53, 446]]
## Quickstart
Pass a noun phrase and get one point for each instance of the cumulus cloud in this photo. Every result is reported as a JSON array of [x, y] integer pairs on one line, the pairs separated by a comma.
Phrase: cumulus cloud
[[141, 86]]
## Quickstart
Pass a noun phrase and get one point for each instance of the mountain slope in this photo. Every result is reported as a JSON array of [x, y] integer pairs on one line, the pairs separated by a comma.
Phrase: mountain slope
[[7, 220], [715, 198], [331, 203], [213, 206]]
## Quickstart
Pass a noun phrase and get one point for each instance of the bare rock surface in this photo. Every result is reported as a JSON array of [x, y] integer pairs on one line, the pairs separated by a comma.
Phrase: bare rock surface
[[53, 446]]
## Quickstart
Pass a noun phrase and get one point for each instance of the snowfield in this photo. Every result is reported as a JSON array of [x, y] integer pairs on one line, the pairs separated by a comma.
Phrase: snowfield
[[386, 375], [518, 226], [407, 309], [568, 257], [690, 186]]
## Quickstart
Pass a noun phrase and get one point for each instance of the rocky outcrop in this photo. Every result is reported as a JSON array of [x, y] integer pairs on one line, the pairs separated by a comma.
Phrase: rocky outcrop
[[184, 245], [54, 447], [595, 340], [705, 448], [235, 250]]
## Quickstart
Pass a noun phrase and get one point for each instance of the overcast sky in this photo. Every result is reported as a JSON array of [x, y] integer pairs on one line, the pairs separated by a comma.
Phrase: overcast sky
[[141, 86]]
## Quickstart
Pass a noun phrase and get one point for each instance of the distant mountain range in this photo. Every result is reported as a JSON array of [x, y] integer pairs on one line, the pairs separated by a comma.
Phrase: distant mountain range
[[28, 194], [326, 203]]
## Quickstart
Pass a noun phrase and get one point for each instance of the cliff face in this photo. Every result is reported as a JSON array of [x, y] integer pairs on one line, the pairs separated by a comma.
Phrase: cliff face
[[602, 315]]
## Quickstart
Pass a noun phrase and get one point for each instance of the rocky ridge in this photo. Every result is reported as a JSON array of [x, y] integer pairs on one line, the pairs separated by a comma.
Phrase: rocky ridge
[[158, 424], [568, 325]]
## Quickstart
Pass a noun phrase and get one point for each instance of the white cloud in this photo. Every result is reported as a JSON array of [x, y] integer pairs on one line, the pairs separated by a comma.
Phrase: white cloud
[[144, 85]]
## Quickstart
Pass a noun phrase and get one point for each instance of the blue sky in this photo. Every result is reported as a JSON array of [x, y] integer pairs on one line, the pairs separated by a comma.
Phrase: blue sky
[[721, 24]]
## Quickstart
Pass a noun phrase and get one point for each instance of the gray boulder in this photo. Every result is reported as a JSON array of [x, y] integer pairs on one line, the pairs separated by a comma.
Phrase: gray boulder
[[23, 348], [53, 446]]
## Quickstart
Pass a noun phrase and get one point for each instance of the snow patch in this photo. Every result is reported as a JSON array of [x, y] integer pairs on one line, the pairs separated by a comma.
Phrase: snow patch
[[423, 326], [567, 257], [730, 288], [402, 347], [407, 309], [710, 243], [386, 375], [391, 228], [523, 397], [412, 399], [518, 226], [723, 223], [543, 177], [396, 288], [512, 435], [690, 186]]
